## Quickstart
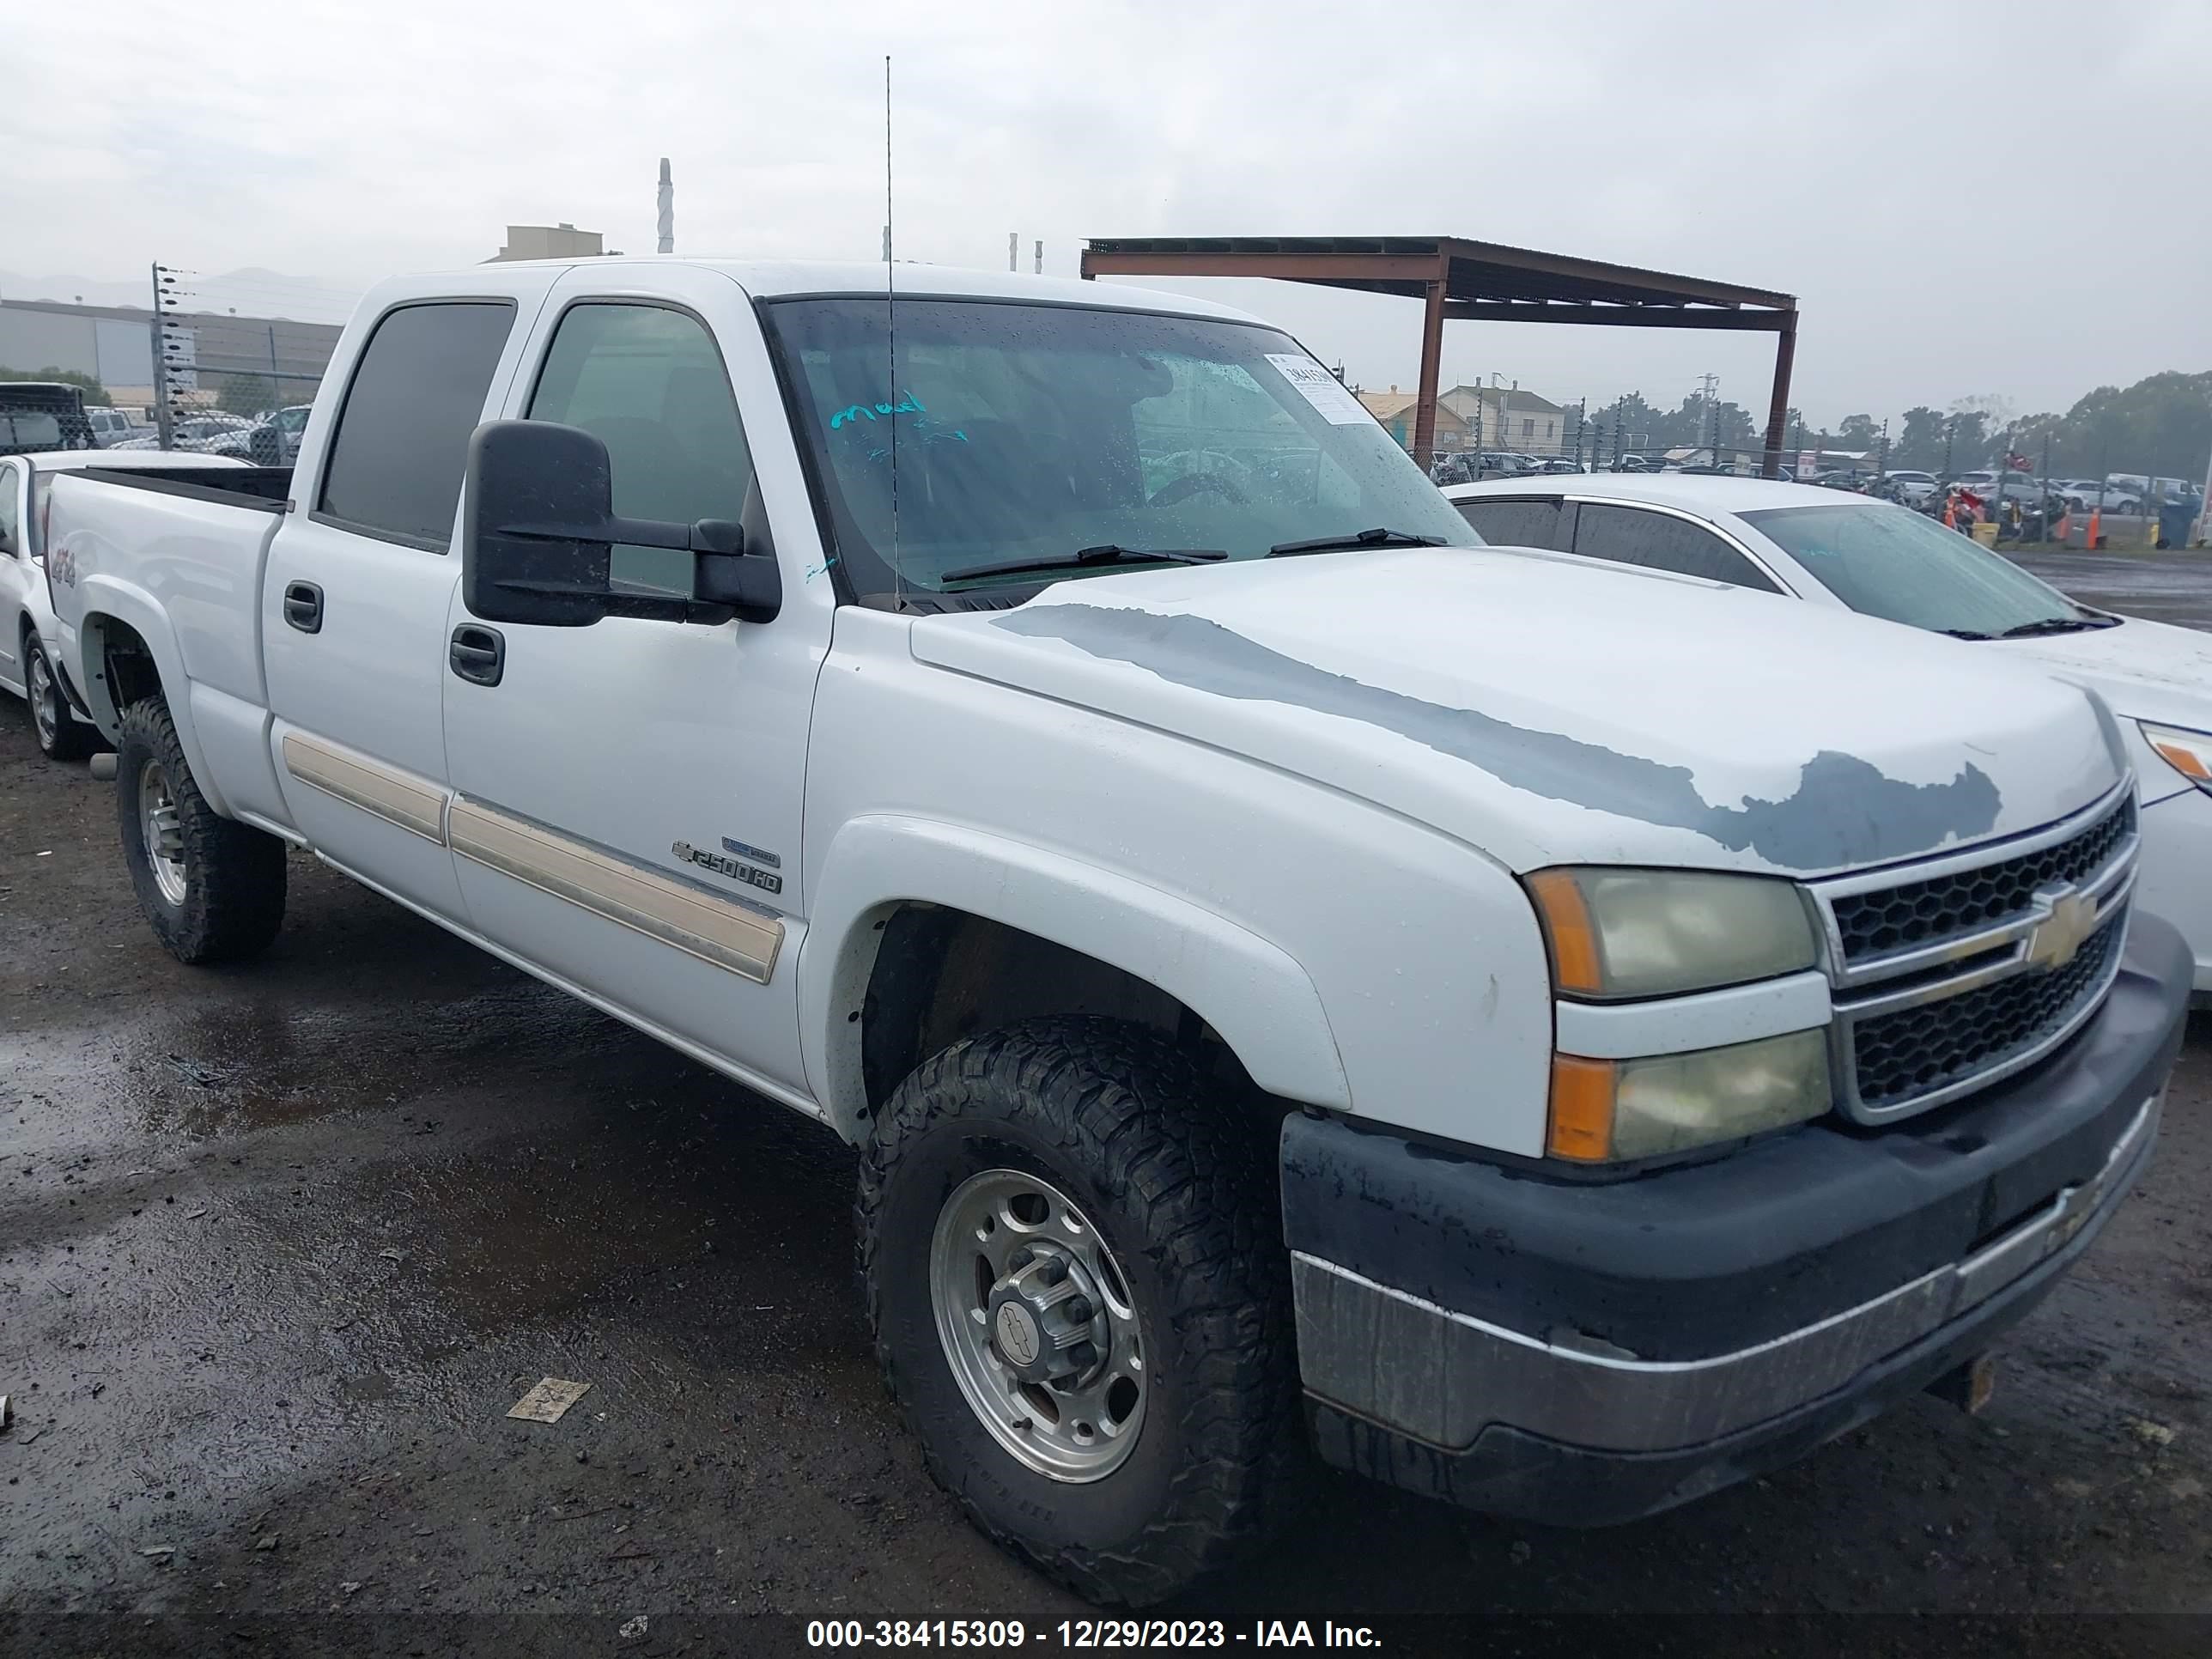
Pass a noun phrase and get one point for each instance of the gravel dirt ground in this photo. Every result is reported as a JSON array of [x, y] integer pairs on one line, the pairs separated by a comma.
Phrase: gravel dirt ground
[[279, 1244]]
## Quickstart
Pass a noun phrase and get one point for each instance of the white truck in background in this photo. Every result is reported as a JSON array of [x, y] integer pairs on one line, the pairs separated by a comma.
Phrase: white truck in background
[[1554, 1039]]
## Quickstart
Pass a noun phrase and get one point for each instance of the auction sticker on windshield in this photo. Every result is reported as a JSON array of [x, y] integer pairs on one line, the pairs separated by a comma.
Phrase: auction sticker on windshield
[[1322, 389]]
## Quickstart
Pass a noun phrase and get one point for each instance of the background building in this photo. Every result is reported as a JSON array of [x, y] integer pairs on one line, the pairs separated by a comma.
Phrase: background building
[[113, 344], [1394, 409], [1505, 417], [561, 241]]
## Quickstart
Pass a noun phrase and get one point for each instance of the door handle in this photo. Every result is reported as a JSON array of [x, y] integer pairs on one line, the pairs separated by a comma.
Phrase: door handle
[[478, 654], [303, 606]]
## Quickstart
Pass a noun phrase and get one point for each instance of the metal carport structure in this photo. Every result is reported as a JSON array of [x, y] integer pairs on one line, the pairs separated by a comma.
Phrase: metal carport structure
[[1457, 280]]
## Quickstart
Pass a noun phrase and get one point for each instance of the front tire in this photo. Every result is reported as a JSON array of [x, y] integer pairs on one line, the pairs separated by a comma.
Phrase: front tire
[[1086, 1165], [212, 889], [60, 738]]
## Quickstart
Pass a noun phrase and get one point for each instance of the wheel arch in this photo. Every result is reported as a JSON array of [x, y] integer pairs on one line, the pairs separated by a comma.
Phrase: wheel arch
[[125, 650], [923, 930]]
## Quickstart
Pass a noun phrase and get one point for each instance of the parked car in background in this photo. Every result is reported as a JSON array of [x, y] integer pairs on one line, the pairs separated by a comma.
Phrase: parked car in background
[[28, 664], [276, 440], [202, 434], [1911, 487], [1883, 561], [37, 415], [1562, 464], [1282, 971], [1501, 464], [2101, 495], [112, 425]]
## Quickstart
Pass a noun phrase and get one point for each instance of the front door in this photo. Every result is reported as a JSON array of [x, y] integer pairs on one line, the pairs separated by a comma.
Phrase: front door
[[359, 581], [627, 794]]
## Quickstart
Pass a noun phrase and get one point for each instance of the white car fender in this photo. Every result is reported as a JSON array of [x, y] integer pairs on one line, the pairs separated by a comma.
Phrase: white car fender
[[1259, 999]]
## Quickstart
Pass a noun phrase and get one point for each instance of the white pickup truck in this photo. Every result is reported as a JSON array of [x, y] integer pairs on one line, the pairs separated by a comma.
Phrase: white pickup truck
[[1555, 1039]]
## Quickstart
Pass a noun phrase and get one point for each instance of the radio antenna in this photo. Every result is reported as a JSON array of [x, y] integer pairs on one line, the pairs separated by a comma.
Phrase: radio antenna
[[891, 329]]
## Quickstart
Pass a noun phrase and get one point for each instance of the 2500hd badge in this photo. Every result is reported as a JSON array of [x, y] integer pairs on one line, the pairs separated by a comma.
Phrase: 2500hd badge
[[722, 865]]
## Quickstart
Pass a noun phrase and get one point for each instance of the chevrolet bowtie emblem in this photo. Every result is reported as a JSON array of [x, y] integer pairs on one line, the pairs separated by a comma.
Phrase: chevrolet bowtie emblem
[[2055, 940]]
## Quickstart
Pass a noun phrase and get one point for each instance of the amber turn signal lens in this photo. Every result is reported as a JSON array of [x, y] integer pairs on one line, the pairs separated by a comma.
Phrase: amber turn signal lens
[[1583, 1093], [1575, 962], [2184, 761]]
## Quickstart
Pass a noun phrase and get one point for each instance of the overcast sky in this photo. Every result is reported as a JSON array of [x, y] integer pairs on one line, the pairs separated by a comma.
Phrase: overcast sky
[[2009, 199]]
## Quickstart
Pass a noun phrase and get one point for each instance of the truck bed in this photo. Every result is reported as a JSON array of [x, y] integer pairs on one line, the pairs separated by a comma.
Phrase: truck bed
[[265, 487], [177, 556]]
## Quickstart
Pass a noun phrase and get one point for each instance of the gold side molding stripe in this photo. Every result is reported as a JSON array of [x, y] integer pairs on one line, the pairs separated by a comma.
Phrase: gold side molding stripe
[[713, 929], [391, 795]]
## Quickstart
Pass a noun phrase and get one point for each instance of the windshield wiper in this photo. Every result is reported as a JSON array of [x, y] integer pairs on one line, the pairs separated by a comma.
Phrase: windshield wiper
[[1964, 634], [1376, 538], [2052, 625], [1084, 558]]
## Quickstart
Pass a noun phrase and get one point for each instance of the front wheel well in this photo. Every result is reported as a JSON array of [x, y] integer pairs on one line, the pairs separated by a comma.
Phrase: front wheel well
[[941, 973]]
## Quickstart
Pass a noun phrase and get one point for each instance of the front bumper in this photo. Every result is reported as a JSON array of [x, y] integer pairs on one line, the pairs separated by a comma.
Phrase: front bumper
[[1586, 1353]]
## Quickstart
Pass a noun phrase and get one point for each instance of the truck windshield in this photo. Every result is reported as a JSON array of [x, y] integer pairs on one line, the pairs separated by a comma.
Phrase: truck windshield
[[1024, 433], [1887, 562]]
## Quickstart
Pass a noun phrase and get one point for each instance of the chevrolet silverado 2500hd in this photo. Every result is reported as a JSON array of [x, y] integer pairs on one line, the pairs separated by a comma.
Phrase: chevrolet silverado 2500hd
[[1552, 1039]]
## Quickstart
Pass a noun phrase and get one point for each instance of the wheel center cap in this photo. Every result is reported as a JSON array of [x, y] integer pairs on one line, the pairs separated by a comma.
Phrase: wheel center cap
[[1046, 1318], [1016, 1335]]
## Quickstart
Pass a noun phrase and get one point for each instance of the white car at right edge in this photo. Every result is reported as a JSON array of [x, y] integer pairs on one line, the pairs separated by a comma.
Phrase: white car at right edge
[[1880, 560]]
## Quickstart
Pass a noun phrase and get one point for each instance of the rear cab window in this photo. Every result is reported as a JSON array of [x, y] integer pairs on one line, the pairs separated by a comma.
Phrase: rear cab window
[[393, 469]]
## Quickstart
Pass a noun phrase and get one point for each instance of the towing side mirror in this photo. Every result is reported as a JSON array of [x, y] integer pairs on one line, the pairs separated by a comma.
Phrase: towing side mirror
[[536, 545]]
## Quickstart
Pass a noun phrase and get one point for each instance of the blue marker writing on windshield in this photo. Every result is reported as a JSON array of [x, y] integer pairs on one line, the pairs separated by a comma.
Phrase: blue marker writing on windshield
[[909, 404]]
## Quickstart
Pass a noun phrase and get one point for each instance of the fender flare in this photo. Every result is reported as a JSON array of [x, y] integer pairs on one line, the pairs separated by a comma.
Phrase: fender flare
[[1253, 994], [104, 598]]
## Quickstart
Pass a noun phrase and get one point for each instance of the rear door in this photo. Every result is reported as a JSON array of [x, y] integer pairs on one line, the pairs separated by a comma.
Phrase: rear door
[[627, 795], [360, 578], [1661, 540]]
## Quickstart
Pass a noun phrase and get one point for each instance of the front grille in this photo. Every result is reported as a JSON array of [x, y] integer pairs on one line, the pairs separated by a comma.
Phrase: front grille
[[1871, 925], [1899, 1057], [1942, 982]]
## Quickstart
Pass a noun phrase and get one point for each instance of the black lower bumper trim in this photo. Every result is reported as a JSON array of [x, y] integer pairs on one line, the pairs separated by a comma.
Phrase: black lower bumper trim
[[1512, 1473]]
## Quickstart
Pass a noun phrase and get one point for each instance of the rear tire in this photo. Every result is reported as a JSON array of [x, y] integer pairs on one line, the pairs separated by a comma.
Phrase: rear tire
[[60, 736], [213, 890], [1173, 1189]]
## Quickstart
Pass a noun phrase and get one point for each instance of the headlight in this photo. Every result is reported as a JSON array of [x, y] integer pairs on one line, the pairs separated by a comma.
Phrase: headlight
[[1604, 1110], [2189, 753], [1655, 933]]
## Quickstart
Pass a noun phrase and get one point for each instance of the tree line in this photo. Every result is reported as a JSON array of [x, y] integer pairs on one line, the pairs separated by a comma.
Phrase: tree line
[[2161, 425]]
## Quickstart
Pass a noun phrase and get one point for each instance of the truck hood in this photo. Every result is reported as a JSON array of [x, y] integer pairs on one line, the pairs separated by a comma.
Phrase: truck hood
[[1546, 713]]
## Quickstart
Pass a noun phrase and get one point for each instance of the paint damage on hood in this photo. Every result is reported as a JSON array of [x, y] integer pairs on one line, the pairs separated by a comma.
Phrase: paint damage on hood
[[1549, 714]]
